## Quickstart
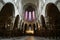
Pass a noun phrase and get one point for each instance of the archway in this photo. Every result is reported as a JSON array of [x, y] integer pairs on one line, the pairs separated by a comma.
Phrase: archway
[[7, 14], [25, 28], [6, 18], [43, 22], [8, 10], [53, 16], [16, 22]]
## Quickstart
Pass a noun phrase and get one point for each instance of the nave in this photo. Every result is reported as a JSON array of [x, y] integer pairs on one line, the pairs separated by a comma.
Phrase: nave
[[11, 26]]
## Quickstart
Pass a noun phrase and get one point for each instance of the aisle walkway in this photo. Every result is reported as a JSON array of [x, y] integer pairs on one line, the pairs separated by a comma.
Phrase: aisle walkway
[[29, 38]]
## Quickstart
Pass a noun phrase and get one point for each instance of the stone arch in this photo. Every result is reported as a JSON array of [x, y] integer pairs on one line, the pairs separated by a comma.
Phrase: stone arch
[[51, 8], [22, 26], [34, 27], [8, 9], [7, 15], [43, 21], [16, 22], [25, 27], [52, 15], [6, 18]]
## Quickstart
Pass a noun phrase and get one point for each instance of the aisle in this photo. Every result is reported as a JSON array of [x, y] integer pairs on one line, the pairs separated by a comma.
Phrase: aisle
[[29, 38]]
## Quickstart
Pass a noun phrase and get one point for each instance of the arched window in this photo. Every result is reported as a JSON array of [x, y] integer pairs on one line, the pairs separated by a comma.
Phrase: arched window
[[29, 14]]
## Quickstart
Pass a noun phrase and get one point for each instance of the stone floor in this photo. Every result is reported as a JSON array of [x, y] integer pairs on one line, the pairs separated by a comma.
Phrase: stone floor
[[29, 38]]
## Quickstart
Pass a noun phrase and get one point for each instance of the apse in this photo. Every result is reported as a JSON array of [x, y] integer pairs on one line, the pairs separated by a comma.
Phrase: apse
[[29, 14]]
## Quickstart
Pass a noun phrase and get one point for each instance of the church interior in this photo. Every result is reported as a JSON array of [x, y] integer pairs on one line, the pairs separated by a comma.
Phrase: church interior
[[30, 17]]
